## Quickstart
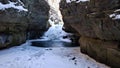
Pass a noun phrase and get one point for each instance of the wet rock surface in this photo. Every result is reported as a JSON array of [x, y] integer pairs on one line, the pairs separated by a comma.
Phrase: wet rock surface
[[99, 31]]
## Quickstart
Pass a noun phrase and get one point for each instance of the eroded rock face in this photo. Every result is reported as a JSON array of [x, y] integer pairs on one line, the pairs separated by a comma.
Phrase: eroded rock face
[[93, 20], [38, 17], [103, 51], [15, 25]]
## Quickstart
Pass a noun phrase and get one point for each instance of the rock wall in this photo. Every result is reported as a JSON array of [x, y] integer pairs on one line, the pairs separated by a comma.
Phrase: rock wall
[[98, 24], [16, 26], [38, 16]]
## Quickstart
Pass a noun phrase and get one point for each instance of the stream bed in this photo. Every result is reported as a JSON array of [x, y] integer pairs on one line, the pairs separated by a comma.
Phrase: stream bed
[[26, 56]]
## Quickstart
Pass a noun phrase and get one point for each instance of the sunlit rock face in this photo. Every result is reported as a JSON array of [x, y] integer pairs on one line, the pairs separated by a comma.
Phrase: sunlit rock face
[[20, 18], [98, 24]]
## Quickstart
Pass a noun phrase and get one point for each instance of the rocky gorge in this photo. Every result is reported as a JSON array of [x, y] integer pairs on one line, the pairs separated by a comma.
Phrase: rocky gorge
[[96, 23]]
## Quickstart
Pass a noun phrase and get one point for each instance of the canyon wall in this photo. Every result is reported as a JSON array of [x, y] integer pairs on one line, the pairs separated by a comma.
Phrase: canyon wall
[[19, 23], [97, 22]]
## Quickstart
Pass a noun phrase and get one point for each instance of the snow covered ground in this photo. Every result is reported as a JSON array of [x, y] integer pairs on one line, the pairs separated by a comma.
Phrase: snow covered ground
[[77, 1], [13, 5], [26, 56]]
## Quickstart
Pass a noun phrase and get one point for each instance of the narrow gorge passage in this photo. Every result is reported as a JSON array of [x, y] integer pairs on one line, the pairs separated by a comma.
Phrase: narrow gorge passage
[[55, 35], [53, 56]]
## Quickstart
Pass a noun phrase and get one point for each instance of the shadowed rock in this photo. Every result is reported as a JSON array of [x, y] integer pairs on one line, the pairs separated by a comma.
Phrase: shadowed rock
[[100, 34], [17, 24]]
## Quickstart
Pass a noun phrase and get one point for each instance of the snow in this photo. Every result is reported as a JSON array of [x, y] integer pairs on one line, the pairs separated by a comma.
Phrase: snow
[[12, 5], [111, 15], [65, 40], [55, 32], [26, 56], [114, 16], [117, 10], [77, 1], [21, 2], [54, 13], [117, 16]]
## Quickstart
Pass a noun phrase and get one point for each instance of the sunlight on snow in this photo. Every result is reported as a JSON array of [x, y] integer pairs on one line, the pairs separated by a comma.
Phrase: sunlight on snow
[[13, 5]]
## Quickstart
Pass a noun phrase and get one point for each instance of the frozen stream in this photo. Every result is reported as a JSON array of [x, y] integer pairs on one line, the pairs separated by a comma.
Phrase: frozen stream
[[26, 56]]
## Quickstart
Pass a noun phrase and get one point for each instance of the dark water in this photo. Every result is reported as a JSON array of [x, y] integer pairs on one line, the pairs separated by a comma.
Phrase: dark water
[[53, 44]]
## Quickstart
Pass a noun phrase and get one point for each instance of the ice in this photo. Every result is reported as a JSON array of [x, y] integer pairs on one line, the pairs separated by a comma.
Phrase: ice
[[26, 56], [55, 32]]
